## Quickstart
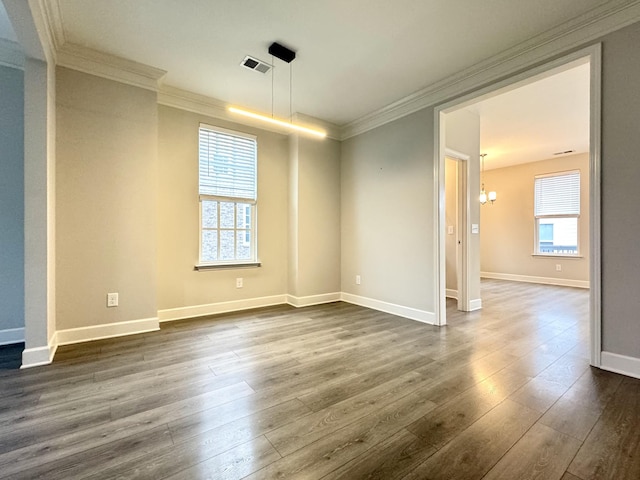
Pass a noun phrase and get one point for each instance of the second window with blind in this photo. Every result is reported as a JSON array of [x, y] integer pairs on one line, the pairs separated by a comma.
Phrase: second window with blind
[[227, 166], [557, 213]]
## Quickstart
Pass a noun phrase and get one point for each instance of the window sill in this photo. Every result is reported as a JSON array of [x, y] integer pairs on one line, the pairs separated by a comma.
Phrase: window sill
[[556, 255], [226, 266]]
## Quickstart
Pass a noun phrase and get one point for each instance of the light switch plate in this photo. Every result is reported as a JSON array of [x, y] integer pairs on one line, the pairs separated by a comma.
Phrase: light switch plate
[[475, 228]]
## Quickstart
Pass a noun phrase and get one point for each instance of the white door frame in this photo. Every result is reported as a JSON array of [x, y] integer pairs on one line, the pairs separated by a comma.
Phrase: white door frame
[[463, 229], [594, 56]]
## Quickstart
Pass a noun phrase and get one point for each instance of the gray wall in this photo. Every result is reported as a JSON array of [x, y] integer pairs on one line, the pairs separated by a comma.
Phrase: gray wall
[[387, 213], [314, 222], [178, 206], [508, 227], [11, 198], [621, 192], [106, 200]]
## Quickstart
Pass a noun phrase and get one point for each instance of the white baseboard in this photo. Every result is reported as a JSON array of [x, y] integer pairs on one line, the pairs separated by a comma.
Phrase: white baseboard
[[180, 313], [475, 304], [11, 335], [563, 282], [35, 357], [400, 310], [313, 299], [614, 362], [97, 332], [451, 293]]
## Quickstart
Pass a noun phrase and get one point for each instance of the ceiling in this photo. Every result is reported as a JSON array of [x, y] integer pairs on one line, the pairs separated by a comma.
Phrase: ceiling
[[537, 120], [354, 57]]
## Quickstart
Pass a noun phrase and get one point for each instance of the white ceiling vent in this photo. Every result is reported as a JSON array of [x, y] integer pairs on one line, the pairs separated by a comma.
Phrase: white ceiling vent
[[254, 64]]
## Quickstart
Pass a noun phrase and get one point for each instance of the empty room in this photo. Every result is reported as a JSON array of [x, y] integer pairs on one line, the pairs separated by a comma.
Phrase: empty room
[[293, 239]]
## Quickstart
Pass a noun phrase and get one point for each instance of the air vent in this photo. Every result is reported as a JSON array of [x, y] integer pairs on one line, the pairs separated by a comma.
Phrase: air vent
[[564, 153], [254, 64]]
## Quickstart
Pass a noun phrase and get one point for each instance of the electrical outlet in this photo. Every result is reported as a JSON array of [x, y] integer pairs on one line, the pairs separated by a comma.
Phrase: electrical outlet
[[112, 299], [558, 267], [239, 282], [358, 280]]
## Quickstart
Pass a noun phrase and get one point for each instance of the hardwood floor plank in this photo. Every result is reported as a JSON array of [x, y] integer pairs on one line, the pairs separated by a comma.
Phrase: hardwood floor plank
[[56, 443], [390, 459], [308, 429], [232, 464], [193, 447], [539, 394], [442, 424], [81, 465], [611, 451], [541, 454], [329, 452], [472, 453], [369, 378]]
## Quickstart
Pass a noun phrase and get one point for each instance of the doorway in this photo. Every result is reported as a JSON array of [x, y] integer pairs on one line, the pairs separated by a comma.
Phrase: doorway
[[457, 216], [591, 56]]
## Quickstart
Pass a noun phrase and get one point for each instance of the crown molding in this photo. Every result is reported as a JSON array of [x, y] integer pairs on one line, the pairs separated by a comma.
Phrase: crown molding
[[52, 16], [572, 34], [193, 102], [213, 107], [11, 54], [109, 66], [333, 130]]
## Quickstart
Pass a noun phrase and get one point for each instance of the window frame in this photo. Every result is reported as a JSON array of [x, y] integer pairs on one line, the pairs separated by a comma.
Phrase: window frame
[[251, 205], [537, 218]]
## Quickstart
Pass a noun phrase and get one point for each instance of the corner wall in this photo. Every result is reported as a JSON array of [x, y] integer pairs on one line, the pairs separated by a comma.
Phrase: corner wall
[[314, 220]]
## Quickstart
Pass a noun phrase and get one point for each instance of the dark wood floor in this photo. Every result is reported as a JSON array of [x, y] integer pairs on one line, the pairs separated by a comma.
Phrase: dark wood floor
[[333, 391]]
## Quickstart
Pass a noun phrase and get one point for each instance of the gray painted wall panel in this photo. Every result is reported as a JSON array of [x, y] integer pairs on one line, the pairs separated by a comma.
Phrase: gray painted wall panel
[[621, 192], [11, 198]]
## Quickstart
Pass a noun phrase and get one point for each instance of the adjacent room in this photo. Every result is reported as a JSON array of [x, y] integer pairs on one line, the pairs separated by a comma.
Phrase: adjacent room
[[319, 240]]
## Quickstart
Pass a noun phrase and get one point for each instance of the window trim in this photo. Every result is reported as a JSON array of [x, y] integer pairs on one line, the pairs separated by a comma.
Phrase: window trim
[[235, 263]]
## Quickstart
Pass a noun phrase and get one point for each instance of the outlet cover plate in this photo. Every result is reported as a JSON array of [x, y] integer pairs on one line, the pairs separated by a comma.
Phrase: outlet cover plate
[[112, 299]]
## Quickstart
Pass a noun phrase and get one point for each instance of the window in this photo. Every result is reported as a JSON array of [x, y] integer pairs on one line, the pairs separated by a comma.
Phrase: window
[[227, 189], [557, 211]]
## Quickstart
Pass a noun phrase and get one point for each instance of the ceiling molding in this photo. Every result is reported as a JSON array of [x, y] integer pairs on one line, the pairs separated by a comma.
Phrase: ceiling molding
[[333, 130], [109, 66], [52, 16], [212, 107], [574, 33], [11, 54], [192, 102]]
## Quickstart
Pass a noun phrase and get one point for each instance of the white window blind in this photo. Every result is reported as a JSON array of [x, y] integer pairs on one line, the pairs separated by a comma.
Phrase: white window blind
[[557, 194], [227, 164]]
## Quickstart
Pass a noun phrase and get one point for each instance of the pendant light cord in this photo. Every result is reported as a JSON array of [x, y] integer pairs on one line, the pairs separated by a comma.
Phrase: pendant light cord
[[290, 92], [273, 70]]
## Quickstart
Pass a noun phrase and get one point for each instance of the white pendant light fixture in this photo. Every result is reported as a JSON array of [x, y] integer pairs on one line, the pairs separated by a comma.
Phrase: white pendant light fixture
[[484, 196], [287, 55]]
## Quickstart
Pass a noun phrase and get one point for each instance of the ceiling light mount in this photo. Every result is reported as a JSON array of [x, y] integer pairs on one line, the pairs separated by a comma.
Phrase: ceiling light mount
[[283, 53]]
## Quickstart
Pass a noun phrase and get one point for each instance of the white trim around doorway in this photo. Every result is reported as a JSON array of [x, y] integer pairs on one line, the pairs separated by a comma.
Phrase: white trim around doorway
[[591, 54]]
